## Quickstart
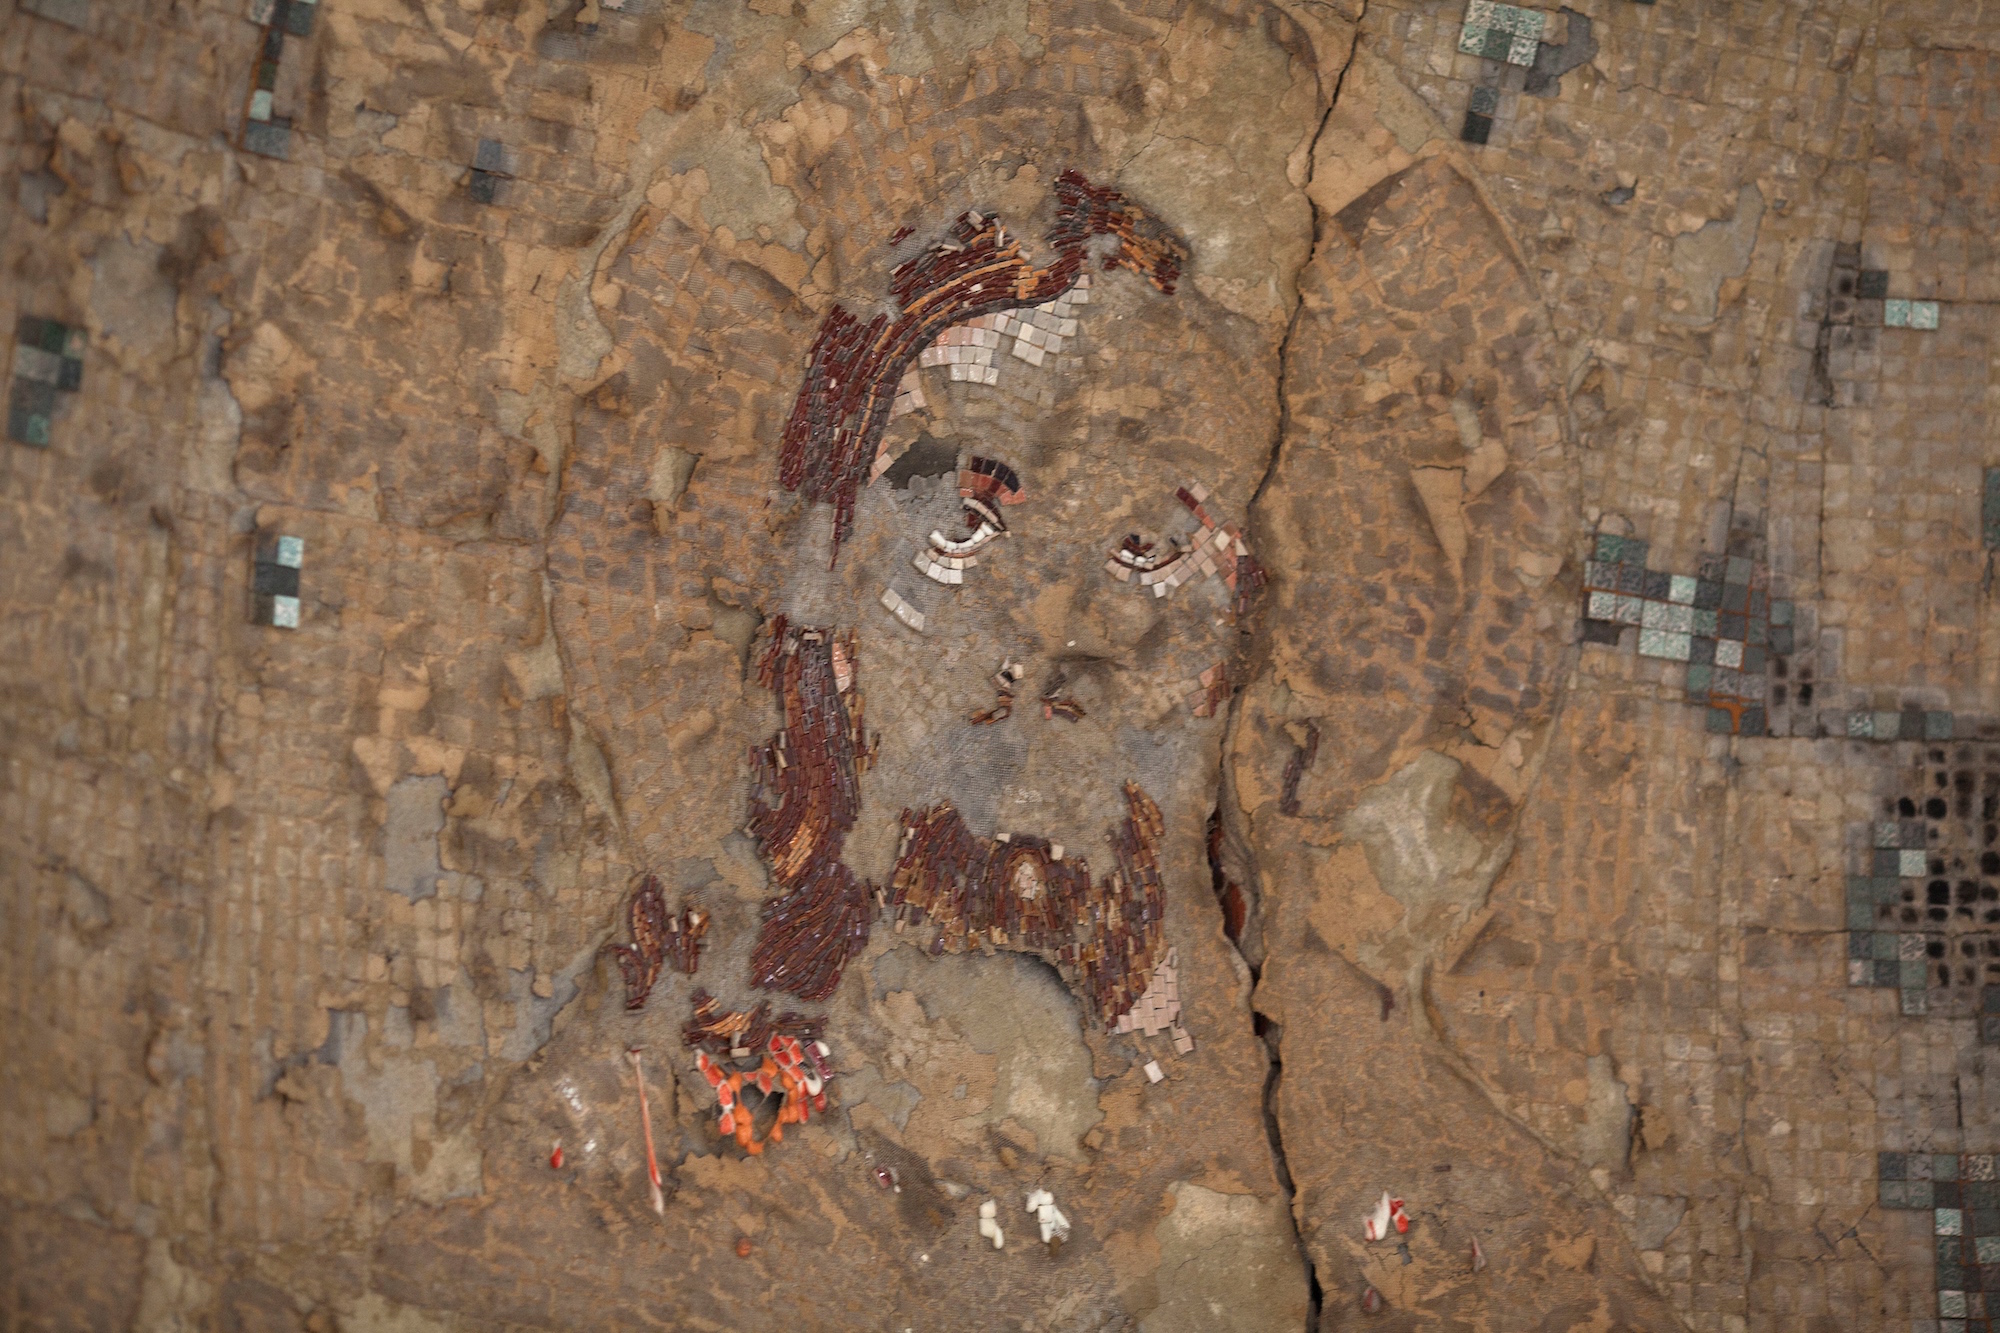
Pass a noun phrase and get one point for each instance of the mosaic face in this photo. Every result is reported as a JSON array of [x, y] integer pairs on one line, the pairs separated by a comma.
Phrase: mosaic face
[[1029, 548]]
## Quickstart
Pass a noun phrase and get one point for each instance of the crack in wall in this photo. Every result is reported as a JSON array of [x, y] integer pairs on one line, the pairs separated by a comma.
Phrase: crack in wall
[[1272, 1034]]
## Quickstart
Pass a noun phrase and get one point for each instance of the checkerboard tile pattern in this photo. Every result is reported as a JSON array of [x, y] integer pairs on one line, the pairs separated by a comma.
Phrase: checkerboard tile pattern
[[274, 584], [48, 361], [1722, 622], [1501, 32], [1958, 1190]]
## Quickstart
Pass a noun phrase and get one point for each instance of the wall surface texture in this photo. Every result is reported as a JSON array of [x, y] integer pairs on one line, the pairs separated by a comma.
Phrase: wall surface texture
[[1280, 600]]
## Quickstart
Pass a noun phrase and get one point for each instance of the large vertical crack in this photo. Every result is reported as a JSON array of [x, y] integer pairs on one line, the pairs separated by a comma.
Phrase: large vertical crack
[[1242, 918]]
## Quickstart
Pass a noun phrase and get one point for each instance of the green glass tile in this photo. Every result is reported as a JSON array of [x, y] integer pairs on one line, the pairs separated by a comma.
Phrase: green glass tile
[[28, 427]]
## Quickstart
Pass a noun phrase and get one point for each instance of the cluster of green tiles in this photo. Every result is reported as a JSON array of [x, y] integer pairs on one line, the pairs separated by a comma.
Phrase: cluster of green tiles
[[48, 360], [1501, 32], [1899, 314], [1885, 890], [1722, 622], [1960, 1193]]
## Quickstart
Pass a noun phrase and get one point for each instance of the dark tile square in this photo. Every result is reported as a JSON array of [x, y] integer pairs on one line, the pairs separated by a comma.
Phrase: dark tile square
[[281, 580], [1937, 726], [1600, 631], [1888, 972], [28, 332], [1701, 650], [1983, 1195], [1912, 728], [1721, 722], [1989, 1277], [1873, 283], [53, 337], [1944, 1167], [298, 20], [1485, 101], [491, 156], [1890, 1165], [1756, 630], [1989, 1000], [1982, 1221], [267, 75], [32, 396], [1760, 603], [1753, 658], [1888, 861], [1477, 128], [1989, 1029], [1714, 568], [484, 187], [1781, 640], [1635, 551], [25, 427], [1658, 584], [1632, 580], [1497, 43], [1755, 722], [1732, 625], [1944, 1194], [268, 138], [1861, 944], [1735, 597], [274, 43], [1708, 594]]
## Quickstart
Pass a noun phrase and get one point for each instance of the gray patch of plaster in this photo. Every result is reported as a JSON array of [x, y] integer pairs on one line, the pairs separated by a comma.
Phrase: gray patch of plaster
[[581, 338], [929, 34], [397, 1093], [669, 480], [1423, 858], [589, 769], [1017, 1010], [1657, 1217], [1719, 251], [894, 1100], [535, 1015], [1552, 62], [131, 304], [1607, 1117], [410, 837], [1226, 1261]]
